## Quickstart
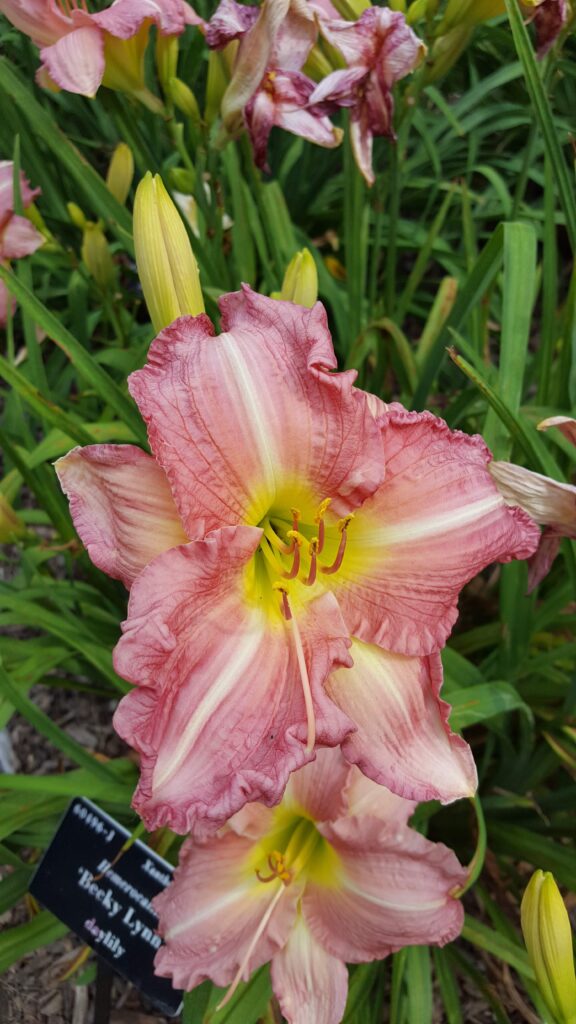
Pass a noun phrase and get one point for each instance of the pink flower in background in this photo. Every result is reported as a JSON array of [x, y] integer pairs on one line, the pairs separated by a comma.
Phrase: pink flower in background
[[379, 49], [18, 237], [81, 51], [295, 550], [334, 875], [268, 87], [549, 502], [550, 17]]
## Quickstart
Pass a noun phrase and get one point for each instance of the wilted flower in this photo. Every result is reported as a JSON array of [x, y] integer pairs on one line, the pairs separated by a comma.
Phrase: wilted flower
[[333, 875], [379, 49], [268, 87], [314, 513], [18, 237], [548, 938], [547, 501], [81, 51]]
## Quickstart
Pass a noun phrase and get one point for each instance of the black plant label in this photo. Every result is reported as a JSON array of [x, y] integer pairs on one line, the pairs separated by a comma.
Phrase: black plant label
[[107, 902]]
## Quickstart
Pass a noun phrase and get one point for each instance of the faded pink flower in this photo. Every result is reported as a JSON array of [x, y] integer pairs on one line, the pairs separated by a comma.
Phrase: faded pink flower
[[379, 49], [547, 501], [550, 17], [333, 875], [267, 86], [284, 512], [81, 51], [18, 237]]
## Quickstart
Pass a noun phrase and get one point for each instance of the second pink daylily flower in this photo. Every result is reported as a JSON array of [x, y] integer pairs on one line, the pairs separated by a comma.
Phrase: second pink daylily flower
[[18, 237], [80, 50], [295, 550], [334, 875]]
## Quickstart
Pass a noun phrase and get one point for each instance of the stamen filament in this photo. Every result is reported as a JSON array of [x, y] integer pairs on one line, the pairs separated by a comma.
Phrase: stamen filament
[[286, 610], [319, 520], [312, 551], [296, 541], [305, 680], [271, 559], [245, 959], [275, 541], [342, 526]]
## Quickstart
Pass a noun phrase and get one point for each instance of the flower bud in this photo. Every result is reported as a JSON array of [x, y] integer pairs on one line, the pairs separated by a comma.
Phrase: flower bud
[[120, 172], [76, 215], [351, 10], [166, 264], [182, 180], [300, 282], [96, 255], [548, 938], [216, 84], [11, 526], [166, 59], [184, 100]]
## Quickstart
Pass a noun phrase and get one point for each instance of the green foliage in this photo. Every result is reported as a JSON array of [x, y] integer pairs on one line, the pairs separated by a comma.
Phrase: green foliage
[[465, 243]]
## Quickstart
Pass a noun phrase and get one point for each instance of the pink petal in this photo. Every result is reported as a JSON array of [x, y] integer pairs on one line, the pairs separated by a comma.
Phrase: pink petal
[[435, 522], [211, 911], [342, 88], [7, 190], [253, 418], [76, 61], [125, 17], [319, 788], [42, 21], [546, 500], [364, 797], [229, 21], [394, 891], [310, 985], [565, 424], [540, 564], [361, 138], [19, 238], [121, 506], [260, 115], [219, 715], [403, 740], [6, 301], [251, 62], [292, 93]]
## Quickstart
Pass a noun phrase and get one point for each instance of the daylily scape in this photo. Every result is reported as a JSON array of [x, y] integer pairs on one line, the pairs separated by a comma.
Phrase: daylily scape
[[334, 875], [294, 550]]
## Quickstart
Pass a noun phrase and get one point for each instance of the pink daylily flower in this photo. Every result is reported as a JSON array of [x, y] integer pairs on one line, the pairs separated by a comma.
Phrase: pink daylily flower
[[334, 875], [267, 86], [295, 550], [81, 51], [547, 501], [380, 49], [18, 237]]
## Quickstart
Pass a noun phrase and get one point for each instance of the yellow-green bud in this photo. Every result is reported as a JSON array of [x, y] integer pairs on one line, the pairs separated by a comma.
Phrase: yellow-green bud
[[351, 9], [182, 180], [166, 264], [184, 100], [96, 255], [300, 282], [548, 938], [417, 10], [120, 172], [11, 526], [76, 215], [216, 84], [446, 51], [398, 5]]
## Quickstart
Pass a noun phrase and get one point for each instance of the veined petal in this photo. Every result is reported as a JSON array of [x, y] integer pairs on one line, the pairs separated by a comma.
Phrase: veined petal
[[219, 715], [437, 520], [76, 61], [43, 22], [320, 787], [364, 797], [251, 62], [393, 891], [252, 416], [565, 424], [548, 501], [210, 913], [125, 17], [7, 190], [19, 238], [362, 139], [310, 984], [403, 740], [121, 506], [540, 564], [229, 21]]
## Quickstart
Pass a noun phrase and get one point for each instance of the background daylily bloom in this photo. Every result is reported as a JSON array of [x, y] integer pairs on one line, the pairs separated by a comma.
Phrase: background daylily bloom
[[333, 875], [329, 536], [547, 501], [81, 51], [379, 49], [18, 237], [268, 87]]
